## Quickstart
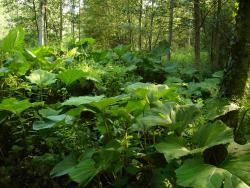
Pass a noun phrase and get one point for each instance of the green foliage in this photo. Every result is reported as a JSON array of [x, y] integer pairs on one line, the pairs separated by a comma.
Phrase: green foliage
[[14, 41], [114, 118], [41, 78], [233, 172], [17, 107]]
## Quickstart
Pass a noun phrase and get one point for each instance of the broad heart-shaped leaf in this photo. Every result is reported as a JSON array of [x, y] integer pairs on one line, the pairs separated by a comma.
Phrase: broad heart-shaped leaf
[[53, 120], [84, 172], [232, 173], [194, 173], [42, 78], [206, 137], [14, 40], [70, 76], [64, 166], [213, 134], [170, 114], [217, 107], [38, 125], [172, 149], [141, 90], [76, 101], [17, 107]]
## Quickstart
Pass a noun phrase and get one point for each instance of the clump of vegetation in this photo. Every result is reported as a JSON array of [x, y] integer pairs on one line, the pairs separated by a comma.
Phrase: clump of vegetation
[[84, 115]]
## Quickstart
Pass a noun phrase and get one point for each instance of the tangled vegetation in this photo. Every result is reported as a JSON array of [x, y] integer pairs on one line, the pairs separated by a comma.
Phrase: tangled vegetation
[[84, 118]]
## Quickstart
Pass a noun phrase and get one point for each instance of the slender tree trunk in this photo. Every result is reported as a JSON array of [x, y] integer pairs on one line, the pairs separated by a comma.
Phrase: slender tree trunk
[[129, 22], [41, 23], [73, 19], [61, 20], [35, 15], [197, 33], [170, 26], [79, 22], [46, 35], [151, 25], [237, 71], [140, 24], [217, 63]]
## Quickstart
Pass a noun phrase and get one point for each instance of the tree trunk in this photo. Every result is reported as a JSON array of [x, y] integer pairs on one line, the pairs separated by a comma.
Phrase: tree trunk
[[61, 20], [236, 75], [170, 26], [41, 23], [79, 21], [140, 24], [73, 18], [46, 35], [197, 33], [151, 25], [215, 47], [35, 15]]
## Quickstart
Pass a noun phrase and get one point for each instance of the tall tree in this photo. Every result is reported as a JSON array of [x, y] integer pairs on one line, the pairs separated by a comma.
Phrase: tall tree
[[73, 18], [140, 24], [236, 74], [61, 19], [197, 25], [150, 41], [215, 43], [170, 26], [41, 22]]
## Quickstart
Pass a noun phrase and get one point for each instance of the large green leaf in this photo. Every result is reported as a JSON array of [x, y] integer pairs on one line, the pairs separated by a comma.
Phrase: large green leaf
[[14, 40], [194, 173], [170, 114], [206, 137], [84, 172], [17, 107], [172, 149], [70, 76], [232, 173], [64, 166], [76, 101], [42, 78], [217, 107], [213, 134]]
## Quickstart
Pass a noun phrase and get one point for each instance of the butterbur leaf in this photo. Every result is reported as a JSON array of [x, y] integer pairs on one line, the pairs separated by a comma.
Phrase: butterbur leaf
[[17, 107], [233, 172], [194, 173], [206, 137], [38, 125], [64, 166], [42, 78], [70, 76], [76, 101], [14, 40], [213, 134], [173, 148], [84, 172], [48, 112], [216, 108]]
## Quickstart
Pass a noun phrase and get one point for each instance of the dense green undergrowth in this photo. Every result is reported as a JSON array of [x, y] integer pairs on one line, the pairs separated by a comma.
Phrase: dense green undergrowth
[[79, 117]]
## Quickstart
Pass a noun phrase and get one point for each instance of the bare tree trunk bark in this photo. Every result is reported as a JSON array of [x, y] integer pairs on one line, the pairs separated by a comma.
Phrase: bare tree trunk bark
[[236, 75], [197, 24], [61, 20], [170, 26], [46, 35], [79, 22], [73, 18], [36, 21], [151, 25], [140, 25], [41, 23]]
